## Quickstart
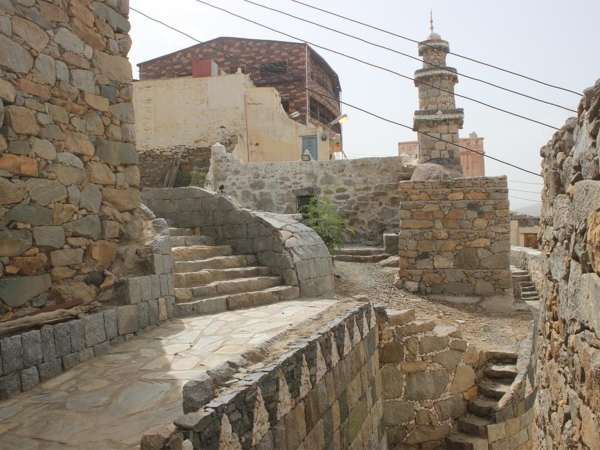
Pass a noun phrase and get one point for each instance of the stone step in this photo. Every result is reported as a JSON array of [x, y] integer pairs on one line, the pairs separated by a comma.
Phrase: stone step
[[236, 301], [502, 357], [227, 287], [361, 258], [361, 251], [474, 425], [483, 406], [501, 371], [204, 277], [521, 277], [526, 285], [188, 241], [180, 231], [218, 262], [461, 441], [494, 388], [197, 252], [529, 295]]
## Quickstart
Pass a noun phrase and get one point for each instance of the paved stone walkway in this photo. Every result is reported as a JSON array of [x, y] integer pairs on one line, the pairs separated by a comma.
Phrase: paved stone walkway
[[109, 402]]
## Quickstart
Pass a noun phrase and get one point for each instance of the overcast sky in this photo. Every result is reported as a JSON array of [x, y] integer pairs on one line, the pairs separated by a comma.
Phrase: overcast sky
[[553, 41]]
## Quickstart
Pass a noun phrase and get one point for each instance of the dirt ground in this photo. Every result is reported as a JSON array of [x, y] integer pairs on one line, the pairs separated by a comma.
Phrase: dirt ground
[[485, 329]]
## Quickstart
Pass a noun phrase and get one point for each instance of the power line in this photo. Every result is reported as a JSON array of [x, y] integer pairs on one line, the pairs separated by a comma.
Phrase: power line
[[529, 192], [330, 97], [452, 53], [408, 56], [526, 199], [375, 65], [525, 182]]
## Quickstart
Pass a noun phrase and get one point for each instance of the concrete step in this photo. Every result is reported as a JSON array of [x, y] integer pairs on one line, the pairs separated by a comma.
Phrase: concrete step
[[502, 357], [218, 262], [180, 231], [227, 287], [196, 252], [494, 388], [474, 425], [500, 371], [188, 241], [204, 277], [219, 304], [361, 251], [460, 441], [361, 258], [483, 406]]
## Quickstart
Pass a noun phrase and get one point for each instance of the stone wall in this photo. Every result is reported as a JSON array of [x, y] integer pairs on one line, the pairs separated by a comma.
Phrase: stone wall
[[292, 250], [529, 259], [68, 175], [326, 392], [31, 357], [364, 191], [569, 349], [156, 164], [455, 237]]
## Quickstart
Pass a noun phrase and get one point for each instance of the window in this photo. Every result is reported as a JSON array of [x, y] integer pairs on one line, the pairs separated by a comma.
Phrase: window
[[273, 68], [320, 112], [304, 200], [285, 102]]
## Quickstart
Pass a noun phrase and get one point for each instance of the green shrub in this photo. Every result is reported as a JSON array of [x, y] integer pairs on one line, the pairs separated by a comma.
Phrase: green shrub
[[198, 179], [322, 217], [184, 179]]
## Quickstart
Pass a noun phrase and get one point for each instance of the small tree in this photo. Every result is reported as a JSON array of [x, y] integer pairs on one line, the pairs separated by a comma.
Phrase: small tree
[[322, 217]]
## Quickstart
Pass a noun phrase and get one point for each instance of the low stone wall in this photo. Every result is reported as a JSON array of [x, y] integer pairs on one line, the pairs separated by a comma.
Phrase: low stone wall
[[36, 355], [324, 393], [530, 260], [364, 191], [428, 373], [289, 248], [155, 163], [455, 236]]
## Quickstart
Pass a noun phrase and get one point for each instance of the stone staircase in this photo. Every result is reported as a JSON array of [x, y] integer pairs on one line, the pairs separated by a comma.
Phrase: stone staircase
[[361, 254], [526, 287], [498, 375], [209, 278]]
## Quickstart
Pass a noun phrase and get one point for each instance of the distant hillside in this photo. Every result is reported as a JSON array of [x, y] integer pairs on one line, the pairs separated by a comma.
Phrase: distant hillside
[[531, 210]]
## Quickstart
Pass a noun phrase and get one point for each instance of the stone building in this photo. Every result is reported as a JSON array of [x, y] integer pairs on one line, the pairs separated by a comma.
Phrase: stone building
[[473, 162], [306, 83]]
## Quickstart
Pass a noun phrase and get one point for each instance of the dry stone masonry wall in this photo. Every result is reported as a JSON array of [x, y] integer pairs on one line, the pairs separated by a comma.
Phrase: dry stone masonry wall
[[292, 250], [364, 191], [157, 164], [569, 348], [455, 237], [68, 174], [326, 392]]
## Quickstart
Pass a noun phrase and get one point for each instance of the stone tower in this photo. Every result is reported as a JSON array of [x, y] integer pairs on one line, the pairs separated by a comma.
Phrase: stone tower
[[437, 116]]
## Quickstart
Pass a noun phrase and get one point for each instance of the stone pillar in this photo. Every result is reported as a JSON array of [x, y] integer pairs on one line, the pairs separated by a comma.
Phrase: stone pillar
[[437, 117]]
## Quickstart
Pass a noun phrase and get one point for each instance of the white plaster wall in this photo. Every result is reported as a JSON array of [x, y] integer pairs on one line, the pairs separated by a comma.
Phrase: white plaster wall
[[190, 111]]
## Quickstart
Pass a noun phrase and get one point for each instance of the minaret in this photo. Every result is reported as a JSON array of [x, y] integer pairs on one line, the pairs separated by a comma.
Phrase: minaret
[[437, 115]]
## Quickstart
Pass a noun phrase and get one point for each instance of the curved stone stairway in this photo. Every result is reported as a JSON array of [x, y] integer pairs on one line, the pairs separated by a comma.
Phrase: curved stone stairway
[[209, 278], [498, 376], [361, 254]]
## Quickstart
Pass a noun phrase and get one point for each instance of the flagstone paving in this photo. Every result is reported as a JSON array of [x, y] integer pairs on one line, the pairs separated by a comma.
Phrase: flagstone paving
[[110, 401]]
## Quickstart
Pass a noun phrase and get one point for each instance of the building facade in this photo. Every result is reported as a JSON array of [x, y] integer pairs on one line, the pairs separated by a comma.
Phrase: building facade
[[306, 83]]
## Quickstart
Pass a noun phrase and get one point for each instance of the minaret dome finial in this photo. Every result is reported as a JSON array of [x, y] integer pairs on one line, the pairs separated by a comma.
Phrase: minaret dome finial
[[431, 20]]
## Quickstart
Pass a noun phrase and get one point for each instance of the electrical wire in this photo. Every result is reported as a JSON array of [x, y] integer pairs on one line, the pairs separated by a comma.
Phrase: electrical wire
[[452, 53], [385, 69], [330, 97], [408, 56], [526, 199], [529, 192], [525, 182]]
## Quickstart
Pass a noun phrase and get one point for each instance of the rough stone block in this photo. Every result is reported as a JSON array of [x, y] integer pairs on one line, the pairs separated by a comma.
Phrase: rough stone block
[[62, 339], [143, 315], [10, 385], [400, 317], [32, 348], [110, 324], [30, 378], [95, 331], [77, 335], [12, 354], [101, 348], [48, 344], [146, 287], [155, 286], [127, 319], [85, 354], [197, 392], [426, 385], [70, 361], [153, 312], [50, 369]]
